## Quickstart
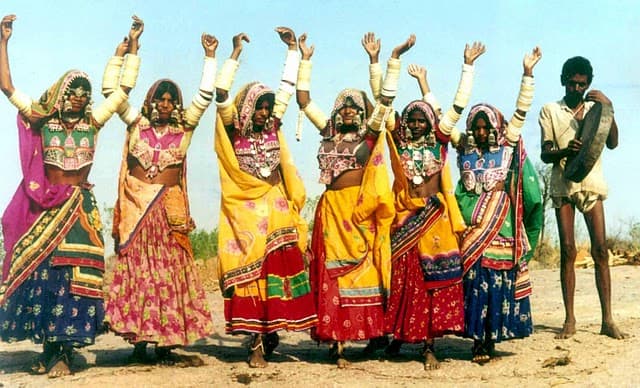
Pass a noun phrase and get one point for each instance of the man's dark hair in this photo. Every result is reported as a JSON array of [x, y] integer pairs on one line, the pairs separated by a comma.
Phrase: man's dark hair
[[576, 65]]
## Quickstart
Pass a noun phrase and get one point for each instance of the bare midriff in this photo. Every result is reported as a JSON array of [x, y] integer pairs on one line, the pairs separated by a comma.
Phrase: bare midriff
[[347, 179], [427, 188], [58, 176], [170, 176]]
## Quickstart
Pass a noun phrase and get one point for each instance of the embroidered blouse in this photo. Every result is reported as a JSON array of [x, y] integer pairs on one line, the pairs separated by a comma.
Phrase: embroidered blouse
[[68, 150], [159, 151], [259, 156], [481, 171]]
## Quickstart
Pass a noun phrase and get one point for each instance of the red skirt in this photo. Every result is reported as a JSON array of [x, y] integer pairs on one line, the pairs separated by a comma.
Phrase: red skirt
[[335, 321], [416, 313], [280, 299]]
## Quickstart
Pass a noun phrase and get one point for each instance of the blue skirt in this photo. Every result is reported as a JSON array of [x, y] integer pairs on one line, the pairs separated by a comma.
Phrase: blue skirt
[[491, 311], [42, 309]]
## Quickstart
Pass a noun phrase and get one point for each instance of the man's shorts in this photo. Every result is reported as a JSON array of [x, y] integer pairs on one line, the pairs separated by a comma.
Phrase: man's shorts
[[583, 200]]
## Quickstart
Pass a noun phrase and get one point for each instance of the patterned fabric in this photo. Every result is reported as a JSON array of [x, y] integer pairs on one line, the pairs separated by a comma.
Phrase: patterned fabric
[[71, 235], [261, 235], [33, 195], [416, 312], [259, 154], [255, 217], [280, 299], [353, 313], [69, 151], [156, 295], [52, 99], [164, 151], [245, 103], [44, 309], [54, 291], [491, 311]]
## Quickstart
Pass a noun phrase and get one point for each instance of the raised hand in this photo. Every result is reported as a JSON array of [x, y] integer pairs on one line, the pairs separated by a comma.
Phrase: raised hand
[[7, 26], [122, 48], [530, 60], [471, 53], [416, 71], [288, 37], [306, 51], [371, 46], [209, 44], [237, 44], [137, 26], [403, 47]]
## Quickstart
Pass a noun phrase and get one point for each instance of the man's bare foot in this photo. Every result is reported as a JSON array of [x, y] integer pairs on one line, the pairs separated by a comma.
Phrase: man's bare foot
[[568, 330], [611, 330], [430, 360], [256, 353]]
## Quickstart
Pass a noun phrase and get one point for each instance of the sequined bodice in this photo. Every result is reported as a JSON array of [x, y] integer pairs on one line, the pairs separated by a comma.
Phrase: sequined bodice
[[158, 151], [483, 170], [259, 154], [341, 153], [69, 150], [421, 160]]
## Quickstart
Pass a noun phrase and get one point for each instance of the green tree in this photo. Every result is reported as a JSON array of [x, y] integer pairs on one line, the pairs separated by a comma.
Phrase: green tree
[[204, 244]]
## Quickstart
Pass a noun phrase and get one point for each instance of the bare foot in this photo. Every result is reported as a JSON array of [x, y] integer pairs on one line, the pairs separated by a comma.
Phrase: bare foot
[[60, 367], [256, 353], [430, 360], [479, 353], [336, 352], [611, 330], [568, 330]]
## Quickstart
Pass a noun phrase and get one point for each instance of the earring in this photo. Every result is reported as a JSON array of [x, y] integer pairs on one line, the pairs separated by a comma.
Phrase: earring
[[175, 114], [338, 121], [155, 115], [471, 141], [431, 139], [491, 139], [407, 134], [88, 109], [66, 105]]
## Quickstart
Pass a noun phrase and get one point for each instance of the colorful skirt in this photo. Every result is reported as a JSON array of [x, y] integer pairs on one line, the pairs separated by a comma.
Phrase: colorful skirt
[[350, 306], [416, 313], [156, 295], [491, 310], [51, 304], [280, 299]]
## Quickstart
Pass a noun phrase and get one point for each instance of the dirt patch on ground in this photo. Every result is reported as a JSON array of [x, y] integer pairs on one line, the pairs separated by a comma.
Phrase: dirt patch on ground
[[585, 359]]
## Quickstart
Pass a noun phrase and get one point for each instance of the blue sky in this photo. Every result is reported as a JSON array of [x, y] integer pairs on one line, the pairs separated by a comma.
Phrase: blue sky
[[52, 37]]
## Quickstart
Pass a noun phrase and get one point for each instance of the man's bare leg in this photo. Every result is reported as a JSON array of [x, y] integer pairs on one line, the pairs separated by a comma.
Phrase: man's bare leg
[[594, 219], [565, 216]]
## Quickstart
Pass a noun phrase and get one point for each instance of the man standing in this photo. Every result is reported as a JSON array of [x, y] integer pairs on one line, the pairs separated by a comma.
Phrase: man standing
[[559, 123]]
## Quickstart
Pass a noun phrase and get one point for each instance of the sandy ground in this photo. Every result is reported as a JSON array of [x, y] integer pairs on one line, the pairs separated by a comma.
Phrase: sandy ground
[[593, 359]]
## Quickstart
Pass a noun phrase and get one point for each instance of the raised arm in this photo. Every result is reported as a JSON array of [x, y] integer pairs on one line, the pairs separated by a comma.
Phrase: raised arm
[[372, 47], [461, 99], [116, 97], [290, 72], [525, 96], [303, 96], [16, 97], [225, 77], [5, 71], [203, 98]]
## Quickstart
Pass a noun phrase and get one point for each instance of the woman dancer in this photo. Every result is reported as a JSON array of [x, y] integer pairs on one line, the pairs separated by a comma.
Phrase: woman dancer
[[51, 287], [350, 270], [156, 295], [500, 201], [261, 234]]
